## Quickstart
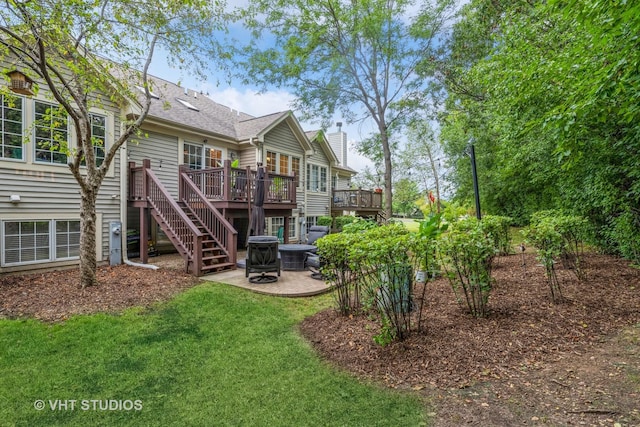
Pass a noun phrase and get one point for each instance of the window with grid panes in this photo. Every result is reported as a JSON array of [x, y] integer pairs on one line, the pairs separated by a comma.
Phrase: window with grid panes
[[98, 138], [51, 134], [67, 239], [284, 164], [26, 242], [40, 241], [11, 127], [270, 164], [192, 156], [295, 168]]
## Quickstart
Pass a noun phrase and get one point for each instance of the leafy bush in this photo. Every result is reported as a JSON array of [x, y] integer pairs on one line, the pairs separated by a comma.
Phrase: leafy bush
[[359, 225], [382, 255], [468, 255], [548, 240], [498, 228], [325, 221], [573, 231], [624, 234], [341, 221], [335, 252]]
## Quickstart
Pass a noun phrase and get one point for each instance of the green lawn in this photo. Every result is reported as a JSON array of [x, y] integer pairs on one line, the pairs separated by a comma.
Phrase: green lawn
[[216, 355]]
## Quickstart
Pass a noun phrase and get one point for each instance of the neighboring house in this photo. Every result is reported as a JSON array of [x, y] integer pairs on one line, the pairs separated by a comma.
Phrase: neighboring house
[[173, 185]]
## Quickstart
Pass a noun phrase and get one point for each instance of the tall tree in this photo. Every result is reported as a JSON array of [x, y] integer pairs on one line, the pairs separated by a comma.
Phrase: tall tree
[[423, 158], [356, 57], [63, 45]]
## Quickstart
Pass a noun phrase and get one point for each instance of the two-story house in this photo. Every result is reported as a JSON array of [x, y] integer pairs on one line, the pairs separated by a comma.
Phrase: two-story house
[[187, 182]]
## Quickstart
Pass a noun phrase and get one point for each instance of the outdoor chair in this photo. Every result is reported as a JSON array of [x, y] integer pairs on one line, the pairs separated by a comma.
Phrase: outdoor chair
[[262, 257], [313, 261]]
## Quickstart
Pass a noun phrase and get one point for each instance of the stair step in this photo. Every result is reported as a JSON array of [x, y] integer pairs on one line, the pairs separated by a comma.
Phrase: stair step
[[207, 258], [219, 267]]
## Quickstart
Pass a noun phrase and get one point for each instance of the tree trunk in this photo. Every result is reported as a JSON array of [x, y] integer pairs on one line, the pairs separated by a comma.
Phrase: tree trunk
[[388, 194], [88, 262]]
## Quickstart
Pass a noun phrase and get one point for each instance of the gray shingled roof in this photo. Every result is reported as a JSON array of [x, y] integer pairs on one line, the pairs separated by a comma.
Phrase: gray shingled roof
[[210, 116]]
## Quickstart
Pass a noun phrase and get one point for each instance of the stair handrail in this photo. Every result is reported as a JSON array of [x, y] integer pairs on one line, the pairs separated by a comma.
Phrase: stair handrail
[[184, 232], [214, 222]]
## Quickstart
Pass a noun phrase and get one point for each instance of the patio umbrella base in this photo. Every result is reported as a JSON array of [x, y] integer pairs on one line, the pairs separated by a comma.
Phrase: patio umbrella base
[[263, 278]]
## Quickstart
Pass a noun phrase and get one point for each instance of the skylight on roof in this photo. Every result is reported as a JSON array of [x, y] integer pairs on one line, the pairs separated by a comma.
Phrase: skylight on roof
[[153, 95], [187, 104]]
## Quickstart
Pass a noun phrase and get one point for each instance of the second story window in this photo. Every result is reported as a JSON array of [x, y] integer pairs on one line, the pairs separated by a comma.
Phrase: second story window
[[193, 156], [51, 134], [11, 128], [271, 164], [316, 178], [213, 158], [295, 168], [98, 137], [198, 157], [284, 164]]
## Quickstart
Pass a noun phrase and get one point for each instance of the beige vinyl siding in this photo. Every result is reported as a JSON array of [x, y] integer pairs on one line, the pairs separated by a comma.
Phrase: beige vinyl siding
[[248, 157], [156, 147], [55, 195]]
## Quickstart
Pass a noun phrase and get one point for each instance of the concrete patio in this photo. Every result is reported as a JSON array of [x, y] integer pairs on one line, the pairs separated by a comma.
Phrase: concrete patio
[[289, 284]]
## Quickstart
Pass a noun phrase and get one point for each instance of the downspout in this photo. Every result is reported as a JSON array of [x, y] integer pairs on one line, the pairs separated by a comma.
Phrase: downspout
[[124, 175]]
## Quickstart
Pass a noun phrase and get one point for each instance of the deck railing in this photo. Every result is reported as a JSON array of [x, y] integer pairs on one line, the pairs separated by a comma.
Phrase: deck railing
[[217, 226], [183, 231], [236, 184], [356, 199]]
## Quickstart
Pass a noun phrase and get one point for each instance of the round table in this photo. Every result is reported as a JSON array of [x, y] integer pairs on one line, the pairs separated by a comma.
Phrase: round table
[[292, 256]]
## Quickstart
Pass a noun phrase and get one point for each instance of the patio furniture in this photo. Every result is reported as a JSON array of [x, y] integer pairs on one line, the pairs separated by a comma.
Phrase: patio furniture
[[293, 256], [262, 257], [313, 262]]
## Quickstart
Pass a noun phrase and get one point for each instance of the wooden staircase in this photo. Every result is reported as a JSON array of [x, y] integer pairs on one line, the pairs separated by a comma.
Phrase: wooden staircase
[[214, 257], [198, 231]]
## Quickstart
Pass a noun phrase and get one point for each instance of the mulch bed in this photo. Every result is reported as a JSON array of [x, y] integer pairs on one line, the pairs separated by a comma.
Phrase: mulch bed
[[56, 295], [523, 335]]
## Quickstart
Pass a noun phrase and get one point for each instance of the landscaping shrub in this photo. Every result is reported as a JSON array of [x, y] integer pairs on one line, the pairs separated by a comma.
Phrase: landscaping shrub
[[468, 254], [359, 225], [326, 221], [335, 252], [340, 221], [386, 273], [498, 228], [548, 241], [573, 231]]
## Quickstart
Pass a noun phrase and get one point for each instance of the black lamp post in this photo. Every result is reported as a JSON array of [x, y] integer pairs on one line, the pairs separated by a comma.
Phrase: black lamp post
[[474, 175]]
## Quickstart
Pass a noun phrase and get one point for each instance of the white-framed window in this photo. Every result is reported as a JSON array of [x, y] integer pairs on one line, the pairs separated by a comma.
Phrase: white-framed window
[[11, 124], [67, 239], [98, 136], [51, 134], [282, 164], [316, 178], [197, 156], [34, 241], [277, 222], [311, 221]]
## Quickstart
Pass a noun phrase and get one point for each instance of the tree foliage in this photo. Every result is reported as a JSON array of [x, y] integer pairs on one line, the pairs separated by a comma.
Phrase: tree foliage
[[549, 92], [63, 46], [357, 58]]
